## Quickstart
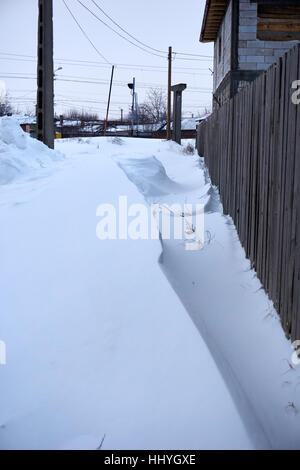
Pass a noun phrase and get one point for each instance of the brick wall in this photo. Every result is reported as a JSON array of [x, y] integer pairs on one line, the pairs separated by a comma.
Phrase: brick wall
[[253, 53]]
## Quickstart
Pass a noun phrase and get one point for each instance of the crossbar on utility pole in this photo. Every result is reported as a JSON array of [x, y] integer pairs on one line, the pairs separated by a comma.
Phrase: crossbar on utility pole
[[169, 94], [45, 75], [109, 96]]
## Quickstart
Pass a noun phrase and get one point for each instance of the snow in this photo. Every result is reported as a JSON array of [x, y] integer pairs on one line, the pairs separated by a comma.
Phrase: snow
[[232, 312], [87, 126], [136, 343], [70, 123], [20, 155], [141, 127], [148, 174], [187, 124], [98, 342], [24, 119], [202, 118]]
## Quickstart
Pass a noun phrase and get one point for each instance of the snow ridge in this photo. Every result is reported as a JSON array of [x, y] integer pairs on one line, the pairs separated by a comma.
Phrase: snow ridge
[[20, 155]]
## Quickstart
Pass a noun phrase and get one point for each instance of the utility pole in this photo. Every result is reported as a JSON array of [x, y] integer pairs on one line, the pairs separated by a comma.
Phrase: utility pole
[[109, 96], [133, 105], [121, 116], [131, 86], [45, 74], [169, 94], [137, 117]]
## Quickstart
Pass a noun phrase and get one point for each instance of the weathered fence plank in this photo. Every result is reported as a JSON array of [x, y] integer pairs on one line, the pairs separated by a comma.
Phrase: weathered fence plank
[[251, 146]]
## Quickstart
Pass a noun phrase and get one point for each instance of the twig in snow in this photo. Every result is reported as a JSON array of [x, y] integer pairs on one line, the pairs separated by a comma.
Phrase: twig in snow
[[255, 292], [291, 406], [101, 443], [291, 367]]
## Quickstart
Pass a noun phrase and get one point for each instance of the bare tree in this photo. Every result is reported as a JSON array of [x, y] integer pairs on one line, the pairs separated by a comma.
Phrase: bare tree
[[74, 114], [154, 108], [6, 108], [203, 113], [30, 112]]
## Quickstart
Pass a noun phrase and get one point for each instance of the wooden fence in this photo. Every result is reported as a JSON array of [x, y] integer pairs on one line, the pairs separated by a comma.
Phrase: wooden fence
[[251, 146]]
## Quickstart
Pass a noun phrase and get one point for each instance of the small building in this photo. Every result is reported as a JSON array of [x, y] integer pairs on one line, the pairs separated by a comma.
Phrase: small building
[[188, 128], [248, 36], [71, 128], [27, 123]]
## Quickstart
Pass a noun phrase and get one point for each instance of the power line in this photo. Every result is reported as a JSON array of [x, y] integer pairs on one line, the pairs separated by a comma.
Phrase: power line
[[85, 34], [188, 59], [97, 82], [194, 55], [140, 42], [121, 82], [139, 86], [17, 60], [72, 98], [120, 35], [125, 31], [102, 64], [66, 98], [138, 68]]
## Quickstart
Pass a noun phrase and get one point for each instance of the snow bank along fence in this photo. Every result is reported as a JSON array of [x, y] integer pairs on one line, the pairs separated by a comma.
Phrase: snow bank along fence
[[251, 146]]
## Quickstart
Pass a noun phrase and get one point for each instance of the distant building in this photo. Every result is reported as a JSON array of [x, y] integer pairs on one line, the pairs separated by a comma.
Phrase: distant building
[[248, 36], [69, 128], [188, 128], [27, 123]]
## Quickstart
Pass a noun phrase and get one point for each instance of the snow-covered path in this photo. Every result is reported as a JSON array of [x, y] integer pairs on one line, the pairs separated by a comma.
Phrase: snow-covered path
[[226, 301], [98, 342]]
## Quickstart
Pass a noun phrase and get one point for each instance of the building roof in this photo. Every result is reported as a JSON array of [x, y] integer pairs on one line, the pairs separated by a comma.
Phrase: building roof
[[213, 16], [23, 119], [202, 118], [187, 124]]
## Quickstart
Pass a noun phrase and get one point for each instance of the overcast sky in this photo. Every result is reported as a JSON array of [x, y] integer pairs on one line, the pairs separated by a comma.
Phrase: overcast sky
[[157, 23]]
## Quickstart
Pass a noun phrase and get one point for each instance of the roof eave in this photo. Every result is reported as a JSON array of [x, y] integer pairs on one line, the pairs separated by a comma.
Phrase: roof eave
[[204, 21], [205, 36]]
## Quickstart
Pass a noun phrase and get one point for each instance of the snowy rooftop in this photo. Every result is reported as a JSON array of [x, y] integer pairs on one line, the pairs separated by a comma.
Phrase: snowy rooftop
[[23, 119], [202, 118], [188, 124]]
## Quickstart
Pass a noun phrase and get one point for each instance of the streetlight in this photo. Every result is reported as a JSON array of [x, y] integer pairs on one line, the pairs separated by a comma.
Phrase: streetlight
[[131, 87], [54, 78], [57, 70], [134, 110]]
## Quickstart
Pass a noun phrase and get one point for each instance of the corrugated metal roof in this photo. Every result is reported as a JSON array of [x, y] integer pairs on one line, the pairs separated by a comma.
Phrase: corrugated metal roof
[[213, 15]]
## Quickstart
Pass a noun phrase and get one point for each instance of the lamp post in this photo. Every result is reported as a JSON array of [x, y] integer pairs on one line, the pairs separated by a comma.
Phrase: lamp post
[[61, 120], [56, 70], [131, 86]]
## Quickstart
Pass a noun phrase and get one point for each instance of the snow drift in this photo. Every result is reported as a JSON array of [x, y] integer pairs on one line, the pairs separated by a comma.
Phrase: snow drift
[[149, 175], [20, 155], [98, 343]]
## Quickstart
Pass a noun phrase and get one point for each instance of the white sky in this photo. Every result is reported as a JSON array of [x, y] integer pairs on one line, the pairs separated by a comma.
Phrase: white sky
[[158, 23]]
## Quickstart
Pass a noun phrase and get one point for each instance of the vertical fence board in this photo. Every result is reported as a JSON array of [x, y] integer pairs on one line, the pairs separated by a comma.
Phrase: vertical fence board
[[251, 146]]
